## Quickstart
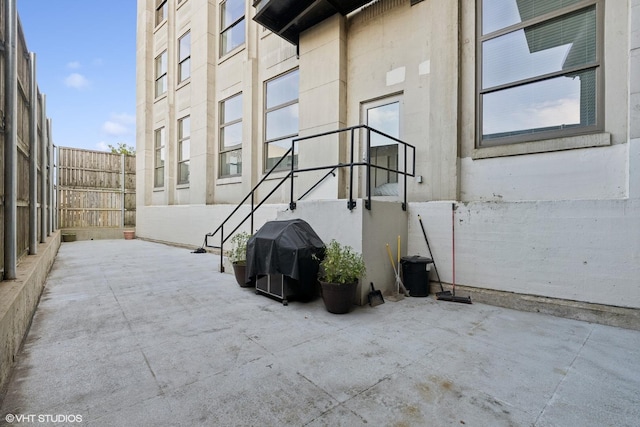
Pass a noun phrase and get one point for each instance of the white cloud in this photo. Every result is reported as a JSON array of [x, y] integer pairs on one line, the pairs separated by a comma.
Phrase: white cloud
[[76, 81], [118, 124], [114, 129], [124, 118], [102, 146], [74, 65]]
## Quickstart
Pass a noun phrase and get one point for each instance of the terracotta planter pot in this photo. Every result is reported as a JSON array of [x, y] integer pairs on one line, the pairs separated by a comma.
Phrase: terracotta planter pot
[[129, 234], [338, 298], [240, 271]]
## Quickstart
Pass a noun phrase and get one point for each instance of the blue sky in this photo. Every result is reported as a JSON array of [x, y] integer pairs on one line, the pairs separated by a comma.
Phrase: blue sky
[[85, 53]]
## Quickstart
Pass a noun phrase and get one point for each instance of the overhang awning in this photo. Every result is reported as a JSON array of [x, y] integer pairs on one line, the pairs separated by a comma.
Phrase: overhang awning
[[288, 18]]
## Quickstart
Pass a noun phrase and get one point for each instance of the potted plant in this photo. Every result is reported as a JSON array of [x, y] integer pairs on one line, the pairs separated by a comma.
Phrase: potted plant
[[238, 257], [339, 272]]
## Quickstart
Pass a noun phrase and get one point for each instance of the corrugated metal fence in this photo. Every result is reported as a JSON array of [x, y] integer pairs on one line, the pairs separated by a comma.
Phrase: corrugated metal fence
[[95, 189]]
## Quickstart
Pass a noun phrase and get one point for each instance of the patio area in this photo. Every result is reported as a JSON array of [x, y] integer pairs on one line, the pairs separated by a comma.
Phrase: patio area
[[139, 333]]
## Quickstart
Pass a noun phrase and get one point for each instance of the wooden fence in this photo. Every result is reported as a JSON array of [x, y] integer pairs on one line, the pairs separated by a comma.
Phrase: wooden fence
[[95, 189]]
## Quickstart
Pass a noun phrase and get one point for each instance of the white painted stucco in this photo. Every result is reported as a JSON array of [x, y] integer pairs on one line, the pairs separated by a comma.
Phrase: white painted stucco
[[579, 250], [588, 173]]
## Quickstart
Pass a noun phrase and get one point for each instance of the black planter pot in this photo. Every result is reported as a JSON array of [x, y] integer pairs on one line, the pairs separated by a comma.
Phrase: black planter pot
[[240, 271], [338, 298]]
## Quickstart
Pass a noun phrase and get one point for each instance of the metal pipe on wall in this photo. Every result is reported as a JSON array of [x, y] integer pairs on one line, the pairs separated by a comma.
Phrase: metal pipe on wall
[[11, 140], [50, 189], [33, 157], [43, 170]]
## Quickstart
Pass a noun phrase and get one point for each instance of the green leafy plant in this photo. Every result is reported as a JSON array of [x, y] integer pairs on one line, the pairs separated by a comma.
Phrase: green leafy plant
[[123, 148], [341, 264], [238, 252]]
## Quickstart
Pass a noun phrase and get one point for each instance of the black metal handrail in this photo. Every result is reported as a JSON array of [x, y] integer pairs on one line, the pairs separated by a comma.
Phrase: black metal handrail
[[351, 203]]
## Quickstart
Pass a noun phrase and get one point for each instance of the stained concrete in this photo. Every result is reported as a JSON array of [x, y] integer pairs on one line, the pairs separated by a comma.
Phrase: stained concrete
[[139, 333]]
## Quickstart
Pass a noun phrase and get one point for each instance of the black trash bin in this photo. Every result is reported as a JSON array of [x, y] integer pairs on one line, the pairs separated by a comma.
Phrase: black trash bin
[[415, 274]]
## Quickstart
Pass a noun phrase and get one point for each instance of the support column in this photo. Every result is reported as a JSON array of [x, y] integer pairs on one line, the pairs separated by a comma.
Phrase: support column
[[50, 173], [11, 140], [634, 102], [323, 104], [43, 170], [33, 157]]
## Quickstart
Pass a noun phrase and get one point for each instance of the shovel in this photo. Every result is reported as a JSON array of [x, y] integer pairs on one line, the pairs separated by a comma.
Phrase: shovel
[[375, 297]]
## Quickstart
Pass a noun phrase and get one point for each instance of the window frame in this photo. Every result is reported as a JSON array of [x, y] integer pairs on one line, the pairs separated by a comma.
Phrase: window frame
[[597, 66], [230, 26], [163, 75], [159, 148], [222, 125], [277, 107], [183, 162], [161, 12], [186, 59]]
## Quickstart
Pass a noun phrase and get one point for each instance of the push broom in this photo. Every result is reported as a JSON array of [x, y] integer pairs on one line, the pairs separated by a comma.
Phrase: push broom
[[424, 233], [453, 297]]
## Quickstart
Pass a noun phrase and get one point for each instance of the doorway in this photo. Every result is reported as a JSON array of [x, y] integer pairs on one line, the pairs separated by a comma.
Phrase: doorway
[[383, 115]]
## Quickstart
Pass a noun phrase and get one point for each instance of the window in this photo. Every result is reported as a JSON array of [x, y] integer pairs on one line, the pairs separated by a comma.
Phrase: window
[[231, 136], [184, 139], [539, 70], [233, 26], [158, 167], [281, 119], [384, 116], [184, 57], [161, 11], [161, 74]]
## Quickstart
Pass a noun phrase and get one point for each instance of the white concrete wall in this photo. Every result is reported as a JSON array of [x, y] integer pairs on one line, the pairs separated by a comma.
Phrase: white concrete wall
[[578, 250], [187, 225], [366, 231], [588, 173]]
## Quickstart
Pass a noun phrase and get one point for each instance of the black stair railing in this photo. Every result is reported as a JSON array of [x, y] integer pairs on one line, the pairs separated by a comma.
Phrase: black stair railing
[[293, 171]]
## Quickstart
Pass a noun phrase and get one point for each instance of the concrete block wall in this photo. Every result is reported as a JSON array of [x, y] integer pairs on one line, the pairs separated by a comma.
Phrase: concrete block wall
[[18, 301], [583, 250]]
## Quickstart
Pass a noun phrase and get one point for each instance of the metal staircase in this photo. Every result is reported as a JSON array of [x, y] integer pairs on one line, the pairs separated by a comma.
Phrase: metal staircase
[[408, 152]]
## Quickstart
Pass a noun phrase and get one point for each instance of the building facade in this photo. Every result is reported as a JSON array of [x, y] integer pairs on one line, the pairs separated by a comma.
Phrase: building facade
[[524, 115]]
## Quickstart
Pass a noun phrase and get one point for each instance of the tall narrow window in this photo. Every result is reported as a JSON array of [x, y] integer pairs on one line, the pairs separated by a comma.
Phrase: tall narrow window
[[281, 119], [540, 69], [231, 136], [184, 140], [233, 25], [161, 74], [184, 57], [158, 167], [161, 11]]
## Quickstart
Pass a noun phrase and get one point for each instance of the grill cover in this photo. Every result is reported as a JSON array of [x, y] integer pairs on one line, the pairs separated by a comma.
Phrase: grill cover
[[285, 247]]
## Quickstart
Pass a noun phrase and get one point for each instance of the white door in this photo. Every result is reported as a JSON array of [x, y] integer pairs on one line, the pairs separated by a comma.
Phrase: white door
[[383, 115]]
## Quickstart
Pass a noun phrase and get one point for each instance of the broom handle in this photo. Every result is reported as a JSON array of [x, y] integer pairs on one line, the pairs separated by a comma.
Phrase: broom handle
[[453, 246], [391, 259]]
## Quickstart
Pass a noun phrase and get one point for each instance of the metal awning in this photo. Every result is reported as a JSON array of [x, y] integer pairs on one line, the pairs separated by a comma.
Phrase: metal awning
[[288, 18]]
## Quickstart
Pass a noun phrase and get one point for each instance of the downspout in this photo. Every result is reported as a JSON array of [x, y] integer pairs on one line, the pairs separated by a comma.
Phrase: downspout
[[43, 171], [11, 141], [33, 158]]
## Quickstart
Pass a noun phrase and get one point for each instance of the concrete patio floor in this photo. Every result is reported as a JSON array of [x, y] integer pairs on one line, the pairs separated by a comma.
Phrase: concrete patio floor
[[133, 333]]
